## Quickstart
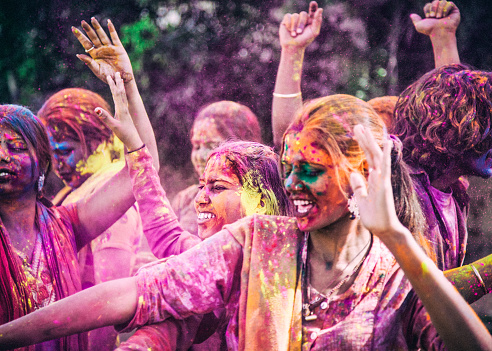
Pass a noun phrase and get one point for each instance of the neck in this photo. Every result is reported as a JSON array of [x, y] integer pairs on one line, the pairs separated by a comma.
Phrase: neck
[[18, 217], [446, 179], [336, 251]]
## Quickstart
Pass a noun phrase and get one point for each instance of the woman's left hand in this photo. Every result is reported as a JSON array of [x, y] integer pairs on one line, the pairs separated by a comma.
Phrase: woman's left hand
[[376, 204], [121, 124]]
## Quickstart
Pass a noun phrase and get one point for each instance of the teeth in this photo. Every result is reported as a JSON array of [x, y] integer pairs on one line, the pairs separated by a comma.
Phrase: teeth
[[303, 206], [3, 174], [301, 202], [205, 215]]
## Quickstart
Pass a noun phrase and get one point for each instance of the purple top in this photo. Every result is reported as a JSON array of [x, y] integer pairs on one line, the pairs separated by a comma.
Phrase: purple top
[[446, 214]]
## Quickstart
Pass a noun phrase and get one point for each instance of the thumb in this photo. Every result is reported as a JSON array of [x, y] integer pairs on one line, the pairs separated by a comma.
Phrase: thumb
[[358, 185], [415, 18]]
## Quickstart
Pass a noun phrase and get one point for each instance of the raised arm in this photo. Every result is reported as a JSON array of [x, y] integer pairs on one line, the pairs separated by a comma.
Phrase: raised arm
[[439, 24], [296, 32], [456, 322], [108, 56]]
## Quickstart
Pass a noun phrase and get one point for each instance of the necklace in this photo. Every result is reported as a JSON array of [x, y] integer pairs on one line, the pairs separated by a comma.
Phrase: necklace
[[308, 308]]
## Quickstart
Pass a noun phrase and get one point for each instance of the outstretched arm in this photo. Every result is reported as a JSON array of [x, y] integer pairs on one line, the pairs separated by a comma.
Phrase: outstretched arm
[[473, 280], [439, 24], [296, 32], [108, 56], [456, 322], [109, 303]]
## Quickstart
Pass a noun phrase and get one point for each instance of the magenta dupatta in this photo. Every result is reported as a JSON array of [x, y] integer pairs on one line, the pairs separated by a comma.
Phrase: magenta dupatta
[[56, 225]]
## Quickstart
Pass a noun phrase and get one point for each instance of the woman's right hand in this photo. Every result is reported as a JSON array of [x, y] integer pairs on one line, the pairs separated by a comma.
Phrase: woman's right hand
[[121, 124], [106, 56], [298, 30]]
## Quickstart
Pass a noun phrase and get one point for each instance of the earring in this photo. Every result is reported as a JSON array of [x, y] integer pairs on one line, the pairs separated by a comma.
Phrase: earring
[[41, 182], [353, 207]]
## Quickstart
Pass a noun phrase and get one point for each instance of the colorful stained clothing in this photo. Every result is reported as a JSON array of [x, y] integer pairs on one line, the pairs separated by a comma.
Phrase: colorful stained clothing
[[125, 234], [166, 237], [184, 206], [446, 214], [252, 268], [52, 274]]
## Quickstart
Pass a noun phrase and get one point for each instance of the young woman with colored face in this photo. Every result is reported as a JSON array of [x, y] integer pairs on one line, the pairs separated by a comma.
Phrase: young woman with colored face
[[320, 281], [214, 124], [86, 155]]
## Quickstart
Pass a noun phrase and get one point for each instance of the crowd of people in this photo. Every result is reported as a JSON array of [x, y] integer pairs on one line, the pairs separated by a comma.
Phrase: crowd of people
[[348, 233]]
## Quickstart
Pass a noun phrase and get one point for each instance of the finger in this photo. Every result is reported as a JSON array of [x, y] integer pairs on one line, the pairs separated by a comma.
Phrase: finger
[[91, 34], [83, 40], [120, 86], [100, 32], [106, 118], [313, 7], [415, 18], [287, 21], [294, 23], [303, 20], [114, 34], [448, 8], [374, 149], [427, 9], [365, 143], [386, 166], [358, 185], [440, 8], [90, 62], [434, 7]]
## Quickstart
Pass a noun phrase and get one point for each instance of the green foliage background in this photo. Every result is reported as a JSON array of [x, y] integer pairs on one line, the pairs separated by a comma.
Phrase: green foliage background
[[190, 53]]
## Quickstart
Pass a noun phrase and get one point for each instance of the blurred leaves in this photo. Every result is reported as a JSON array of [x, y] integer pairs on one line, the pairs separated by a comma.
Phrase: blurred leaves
[[189, 53]]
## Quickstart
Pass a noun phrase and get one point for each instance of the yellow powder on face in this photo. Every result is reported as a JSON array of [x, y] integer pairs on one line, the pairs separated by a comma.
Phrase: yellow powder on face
[[251, 196], [103, 155]]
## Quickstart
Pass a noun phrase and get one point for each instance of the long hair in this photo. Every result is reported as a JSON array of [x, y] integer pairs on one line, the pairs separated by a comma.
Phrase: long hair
[[23, 122], [445, 113], [70, 113], [232, 120], [256, 167], [331, 120]]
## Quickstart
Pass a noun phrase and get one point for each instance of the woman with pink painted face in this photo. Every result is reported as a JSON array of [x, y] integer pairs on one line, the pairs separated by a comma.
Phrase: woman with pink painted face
[[215, 123], [341, 274]]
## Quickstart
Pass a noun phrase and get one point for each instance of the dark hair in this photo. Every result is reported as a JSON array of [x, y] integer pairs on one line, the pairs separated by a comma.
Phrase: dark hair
[[232, 120], [331, 119], [256, 167], [442, 115], [23, 122], [70, 112]]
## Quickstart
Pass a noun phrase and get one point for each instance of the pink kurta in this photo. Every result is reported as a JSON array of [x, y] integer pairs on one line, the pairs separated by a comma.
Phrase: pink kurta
[[252, 269]]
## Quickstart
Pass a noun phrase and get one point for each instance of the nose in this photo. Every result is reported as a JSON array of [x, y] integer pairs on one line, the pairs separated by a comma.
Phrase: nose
[[293, 183], [202, 197]]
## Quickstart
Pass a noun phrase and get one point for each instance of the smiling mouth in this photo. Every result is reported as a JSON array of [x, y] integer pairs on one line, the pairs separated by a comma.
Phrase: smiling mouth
[[204, 217], [303, 206], [5, 175]]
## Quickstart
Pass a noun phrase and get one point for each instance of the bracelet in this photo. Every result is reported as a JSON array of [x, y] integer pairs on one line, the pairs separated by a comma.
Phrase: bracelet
[[479, 277], [140, 148], [287, 96]]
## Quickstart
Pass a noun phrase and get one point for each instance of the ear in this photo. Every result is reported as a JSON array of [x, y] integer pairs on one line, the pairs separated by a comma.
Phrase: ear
[[261, 208]]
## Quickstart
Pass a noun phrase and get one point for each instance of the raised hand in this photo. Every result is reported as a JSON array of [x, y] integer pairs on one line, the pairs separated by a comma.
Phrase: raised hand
[[300, 29], [107, 54], [443, 16], [376, 204], [121, 124]]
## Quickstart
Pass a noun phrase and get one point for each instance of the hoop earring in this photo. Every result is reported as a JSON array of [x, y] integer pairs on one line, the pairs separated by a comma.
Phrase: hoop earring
[[41, 182], [353, 207]]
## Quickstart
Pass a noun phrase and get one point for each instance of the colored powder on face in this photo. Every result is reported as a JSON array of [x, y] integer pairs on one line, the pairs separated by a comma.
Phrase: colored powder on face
[[102, 156]]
